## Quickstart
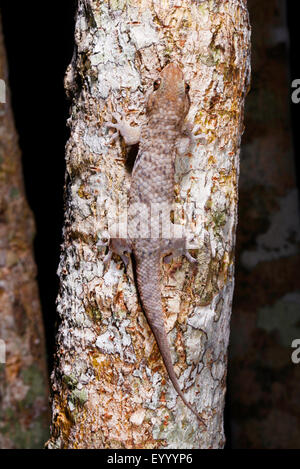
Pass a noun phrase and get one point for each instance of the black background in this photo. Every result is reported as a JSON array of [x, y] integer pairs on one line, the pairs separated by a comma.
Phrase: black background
[[39, 44], [39, 39]]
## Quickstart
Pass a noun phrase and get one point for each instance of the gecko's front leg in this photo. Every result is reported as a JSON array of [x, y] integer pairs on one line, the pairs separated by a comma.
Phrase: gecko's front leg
[[131, 135], [188, 139]]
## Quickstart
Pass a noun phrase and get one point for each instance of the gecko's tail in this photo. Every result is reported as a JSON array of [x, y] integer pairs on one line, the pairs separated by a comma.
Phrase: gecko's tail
[[148, 279]]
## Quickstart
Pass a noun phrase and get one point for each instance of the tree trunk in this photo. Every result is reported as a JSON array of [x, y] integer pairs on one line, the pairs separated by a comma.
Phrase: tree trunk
[[110, 388], [263, 380], [23, 372]]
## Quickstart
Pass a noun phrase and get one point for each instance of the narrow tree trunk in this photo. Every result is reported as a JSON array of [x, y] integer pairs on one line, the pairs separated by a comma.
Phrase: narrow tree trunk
[[23, 374], [110, 388], [264, 382]]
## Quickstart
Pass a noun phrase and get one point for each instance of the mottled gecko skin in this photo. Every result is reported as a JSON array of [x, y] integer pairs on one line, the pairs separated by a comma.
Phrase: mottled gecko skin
[[153, 183]]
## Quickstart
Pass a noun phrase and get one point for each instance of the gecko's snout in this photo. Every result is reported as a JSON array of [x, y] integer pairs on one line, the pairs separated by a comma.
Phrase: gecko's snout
[[172, 71]]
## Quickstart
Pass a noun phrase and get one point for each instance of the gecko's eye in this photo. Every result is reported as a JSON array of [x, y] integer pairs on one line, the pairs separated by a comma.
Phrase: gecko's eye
[[156, 84], [187, 87]]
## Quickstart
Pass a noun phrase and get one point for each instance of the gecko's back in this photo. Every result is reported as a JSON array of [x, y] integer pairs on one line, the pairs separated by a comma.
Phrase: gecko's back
[[151, 199]]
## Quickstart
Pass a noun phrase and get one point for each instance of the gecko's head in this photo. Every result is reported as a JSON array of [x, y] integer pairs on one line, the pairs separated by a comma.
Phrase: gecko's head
[[170, 93]]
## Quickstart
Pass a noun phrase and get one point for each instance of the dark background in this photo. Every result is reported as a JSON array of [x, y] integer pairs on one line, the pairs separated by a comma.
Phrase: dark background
[[293, 20], [39, 44]]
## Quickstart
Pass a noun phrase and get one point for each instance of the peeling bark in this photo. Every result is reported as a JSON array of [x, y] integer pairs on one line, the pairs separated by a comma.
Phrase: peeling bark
[[23, 372], [110, 388]]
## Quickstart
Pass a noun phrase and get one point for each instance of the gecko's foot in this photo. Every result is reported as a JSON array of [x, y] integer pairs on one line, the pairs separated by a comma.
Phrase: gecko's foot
[[201, 137], [120, 247], [190, 258], [108, 257], [113, 125], [125, 259], [188, 140], [168, 259], [176, 248], [102, 244], [131, 135]]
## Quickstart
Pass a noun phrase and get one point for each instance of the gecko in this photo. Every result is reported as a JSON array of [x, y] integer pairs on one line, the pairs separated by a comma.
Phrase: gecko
[[151, 197]]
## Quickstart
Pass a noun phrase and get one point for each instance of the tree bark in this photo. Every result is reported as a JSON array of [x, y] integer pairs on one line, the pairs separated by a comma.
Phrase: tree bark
[[263, 380], [24, 409], [110, 388]]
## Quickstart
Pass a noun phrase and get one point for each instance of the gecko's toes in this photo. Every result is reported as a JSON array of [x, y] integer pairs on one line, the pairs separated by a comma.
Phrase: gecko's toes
[[115, 135], [107, 258], [114, 125], [196, 128], [190, 258], [117, 117], [201, 138], [110, 125], [168, 259], [125, 259], [102, 244]]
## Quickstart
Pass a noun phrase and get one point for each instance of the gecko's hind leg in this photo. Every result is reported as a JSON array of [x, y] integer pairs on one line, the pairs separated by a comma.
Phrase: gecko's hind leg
[[119, 246], [177, 247]]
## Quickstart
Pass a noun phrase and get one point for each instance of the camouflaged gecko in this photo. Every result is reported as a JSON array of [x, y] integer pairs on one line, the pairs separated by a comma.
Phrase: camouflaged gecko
[[151, 198]]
